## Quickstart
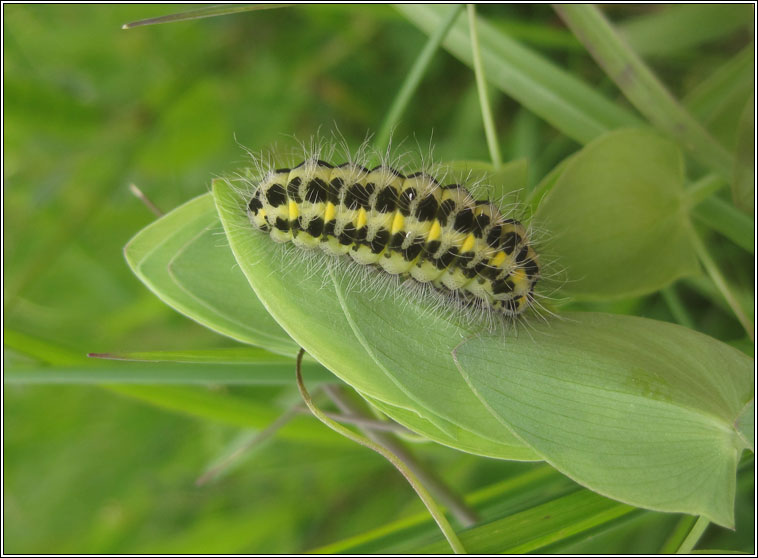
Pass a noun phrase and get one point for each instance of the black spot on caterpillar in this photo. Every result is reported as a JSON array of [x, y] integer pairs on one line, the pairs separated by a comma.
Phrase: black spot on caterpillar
[[407, 225]]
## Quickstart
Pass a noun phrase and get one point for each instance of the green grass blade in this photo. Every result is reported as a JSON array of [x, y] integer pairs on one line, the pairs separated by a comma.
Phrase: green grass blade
[[732, 82], [200, 13], [262, 373], [481, 86], [670, 29], [642, 87], [574, 108], [413, 79], [727, 220], [540, 526], [517, 493], [743, 182]]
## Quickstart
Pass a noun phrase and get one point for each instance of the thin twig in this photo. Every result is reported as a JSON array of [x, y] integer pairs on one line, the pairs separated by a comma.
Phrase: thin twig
[[140, 195], [713, 271], [426, 498], [211, 11]]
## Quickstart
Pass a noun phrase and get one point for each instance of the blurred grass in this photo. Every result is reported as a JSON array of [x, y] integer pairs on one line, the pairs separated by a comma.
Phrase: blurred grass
[[90, 108]]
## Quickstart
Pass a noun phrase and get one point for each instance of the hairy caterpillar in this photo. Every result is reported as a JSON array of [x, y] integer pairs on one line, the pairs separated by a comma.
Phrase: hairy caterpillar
[[408, 225]]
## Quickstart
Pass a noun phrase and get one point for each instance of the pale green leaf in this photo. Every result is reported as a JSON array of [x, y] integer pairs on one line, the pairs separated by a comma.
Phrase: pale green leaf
[[328, 330], [184, 260], [616, 219], [638, 410]]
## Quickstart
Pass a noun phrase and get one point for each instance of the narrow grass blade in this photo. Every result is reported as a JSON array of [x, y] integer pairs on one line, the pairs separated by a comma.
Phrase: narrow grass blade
[[669, 29], [641, 86], [481, 85], [540, 526], [573, 107], [413, 79], [260, 373], [211, 11]]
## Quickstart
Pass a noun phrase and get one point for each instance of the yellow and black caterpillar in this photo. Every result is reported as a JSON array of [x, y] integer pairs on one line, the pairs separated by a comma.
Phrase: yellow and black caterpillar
[[411, 226]]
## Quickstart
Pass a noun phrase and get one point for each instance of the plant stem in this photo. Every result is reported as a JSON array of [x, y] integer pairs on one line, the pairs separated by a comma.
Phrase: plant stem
[[729, 221], [694, 535], [677, 536], [458, 508], [140, 195], [677, 309], [413, 79], [715, 274], [702, 189], [481, 85], [364, 423], [429, 502]]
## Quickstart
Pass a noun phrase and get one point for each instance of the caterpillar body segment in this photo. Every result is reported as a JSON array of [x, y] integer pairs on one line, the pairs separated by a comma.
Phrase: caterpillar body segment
[[408, 225]]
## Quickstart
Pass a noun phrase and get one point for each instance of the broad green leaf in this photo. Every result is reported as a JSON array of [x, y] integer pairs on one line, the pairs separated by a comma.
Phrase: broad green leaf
[[616, 217], [743, 182], [636, 409], [182, 259], [326, 328], [639, 410]]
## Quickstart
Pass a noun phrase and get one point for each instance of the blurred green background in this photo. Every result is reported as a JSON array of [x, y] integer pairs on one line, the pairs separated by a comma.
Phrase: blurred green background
[[89, 109]]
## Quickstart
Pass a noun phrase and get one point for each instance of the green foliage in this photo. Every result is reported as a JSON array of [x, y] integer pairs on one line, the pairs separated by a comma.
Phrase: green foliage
[[620, 227], [648, 413]]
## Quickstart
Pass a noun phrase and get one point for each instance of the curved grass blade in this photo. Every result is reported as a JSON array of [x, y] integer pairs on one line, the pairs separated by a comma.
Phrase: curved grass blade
[[641, 86]]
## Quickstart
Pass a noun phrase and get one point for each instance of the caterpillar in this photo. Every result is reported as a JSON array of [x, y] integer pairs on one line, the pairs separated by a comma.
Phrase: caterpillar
[[407, 225]]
